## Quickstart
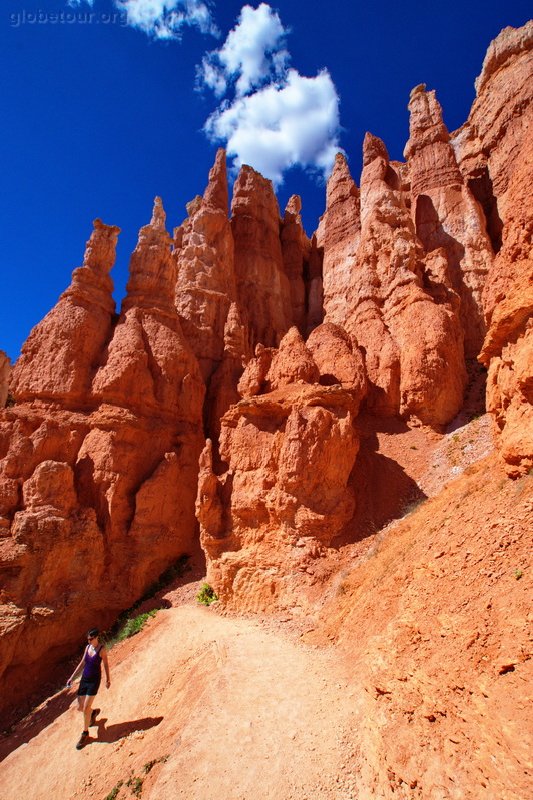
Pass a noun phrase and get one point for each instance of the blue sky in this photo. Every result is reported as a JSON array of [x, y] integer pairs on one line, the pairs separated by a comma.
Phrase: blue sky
[[103, 112]]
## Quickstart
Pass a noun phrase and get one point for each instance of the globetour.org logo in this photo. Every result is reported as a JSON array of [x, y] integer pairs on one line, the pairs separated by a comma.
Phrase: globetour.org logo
[[68, 16]]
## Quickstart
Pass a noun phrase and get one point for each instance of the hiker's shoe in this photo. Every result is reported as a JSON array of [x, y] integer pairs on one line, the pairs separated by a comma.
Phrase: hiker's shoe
[[94, 714], [83, 739]]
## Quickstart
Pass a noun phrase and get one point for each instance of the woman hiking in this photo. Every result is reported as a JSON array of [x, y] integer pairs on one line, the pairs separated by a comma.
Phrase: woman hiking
[[91, 662]]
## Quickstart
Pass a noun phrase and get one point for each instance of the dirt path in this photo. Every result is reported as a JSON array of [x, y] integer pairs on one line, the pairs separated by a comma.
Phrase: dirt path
[[224, 707]]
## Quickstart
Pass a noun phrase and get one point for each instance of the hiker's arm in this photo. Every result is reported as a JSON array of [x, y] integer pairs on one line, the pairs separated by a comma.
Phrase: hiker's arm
[[80, 665], [106, 667]]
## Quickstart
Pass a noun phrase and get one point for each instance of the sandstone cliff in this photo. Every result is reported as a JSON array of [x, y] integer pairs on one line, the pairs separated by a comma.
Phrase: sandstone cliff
[[496, 154]]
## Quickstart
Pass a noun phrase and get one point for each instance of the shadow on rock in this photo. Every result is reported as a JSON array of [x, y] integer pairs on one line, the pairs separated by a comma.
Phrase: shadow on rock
[[112, 733], [383, 489]]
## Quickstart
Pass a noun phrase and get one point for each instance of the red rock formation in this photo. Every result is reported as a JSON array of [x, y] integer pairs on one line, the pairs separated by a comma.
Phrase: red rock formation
[[315, 286], [445, 212], [222, 391], [338, 360], [488, 145], [508, 296], [99, 457], [206, 285], [494, 153], [413, 345], [339, 235], [75, 331], [99, 454], [284, 495], [5, 373], [296, 250], [263, 289]]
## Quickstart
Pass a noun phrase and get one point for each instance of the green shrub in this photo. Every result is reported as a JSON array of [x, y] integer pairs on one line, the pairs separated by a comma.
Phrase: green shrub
[[174, 571], [114, 791], [136, 786], [149, 764], [134, 624], [206, 595], [412, 505], [126, 625]]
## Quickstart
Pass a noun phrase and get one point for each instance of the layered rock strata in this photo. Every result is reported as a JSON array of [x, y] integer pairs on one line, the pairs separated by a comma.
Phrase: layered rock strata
[[99, 456]]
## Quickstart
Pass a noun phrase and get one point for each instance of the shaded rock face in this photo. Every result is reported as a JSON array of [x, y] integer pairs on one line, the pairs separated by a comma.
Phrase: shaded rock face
[[99, 456], [288, 448], [5, 372], [446, 213], [296, 252]]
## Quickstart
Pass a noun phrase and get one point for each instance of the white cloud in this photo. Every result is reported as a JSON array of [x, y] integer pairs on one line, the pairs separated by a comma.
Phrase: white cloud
[[279, 127], [277, 118], [252, 54], [164, 19]]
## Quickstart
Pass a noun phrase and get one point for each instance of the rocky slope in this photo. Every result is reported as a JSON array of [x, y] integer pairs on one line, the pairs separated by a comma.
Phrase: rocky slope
[[248, 396], [410, 682]]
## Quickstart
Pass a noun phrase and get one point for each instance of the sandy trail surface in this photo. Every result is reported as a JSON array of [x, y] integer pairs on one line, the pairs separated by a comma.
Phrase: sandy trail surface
[[200, 706]]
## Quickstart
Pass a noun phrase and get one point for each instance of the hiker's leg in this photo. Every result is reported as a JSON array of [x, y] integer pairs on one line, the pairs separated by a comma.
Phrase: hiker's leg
[[87, 710]]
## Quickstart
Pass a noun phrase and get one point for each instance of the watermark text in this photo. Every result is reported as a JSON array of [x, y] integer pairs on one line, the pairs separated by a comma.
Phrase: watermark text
[[67, 17]]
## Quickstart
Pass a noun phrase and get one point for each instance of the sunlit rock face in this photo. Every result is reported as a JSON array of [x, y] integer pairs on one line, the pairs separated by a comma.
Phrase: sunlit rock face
[[99, 456], [339, 235], [401, 310], [58, 359], [204, 254], [501, 156], [288, 448], [263, 288]]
